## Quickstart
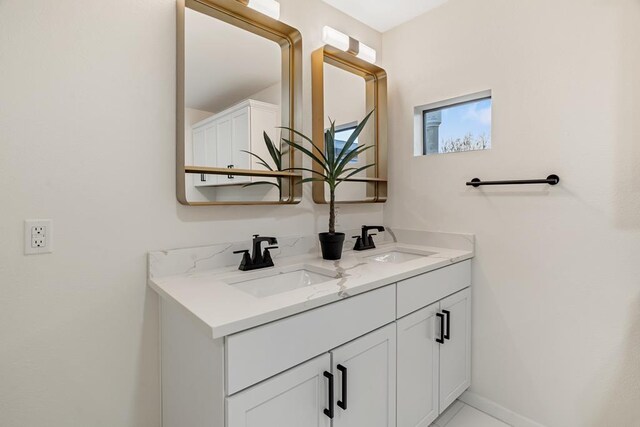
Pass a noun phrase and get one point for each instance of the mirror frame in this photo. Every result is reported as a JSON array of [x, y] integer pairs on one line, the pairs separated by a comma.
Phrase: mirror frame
[[376, 97], [236, 13]]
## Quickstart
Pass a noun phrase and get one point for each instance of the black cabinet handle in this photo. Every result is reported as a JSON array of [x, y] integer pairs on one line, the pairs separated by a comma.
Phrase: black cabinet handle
[[329, 412], [202, 177], [441, 317], [447, 335], [343, 403]]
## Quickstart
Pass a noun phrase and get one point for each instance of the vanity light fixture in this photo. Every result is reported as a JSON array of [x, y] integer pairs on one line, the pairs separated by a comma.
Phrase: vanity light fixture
[[367, 53], [335, 38], [341, 41], [268, 7]]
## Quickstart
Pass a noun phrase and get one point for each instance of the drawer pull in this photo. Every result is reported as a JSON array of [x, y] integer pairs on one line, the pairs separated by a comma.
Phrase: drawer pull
[[343, 403], [447, 335], [441, 339], [329, 412]]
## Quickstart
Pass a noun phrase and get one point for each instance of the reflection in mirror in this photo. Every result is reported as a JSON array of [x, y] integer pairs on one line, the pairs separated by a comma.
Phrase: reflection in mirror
[[345, 102], [233, 94]]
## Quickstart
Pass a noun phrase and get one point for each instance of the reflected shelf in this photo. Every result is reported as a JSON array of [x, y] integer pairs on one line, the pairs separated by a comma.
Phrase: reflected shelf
[[364, 179], [240, 172]]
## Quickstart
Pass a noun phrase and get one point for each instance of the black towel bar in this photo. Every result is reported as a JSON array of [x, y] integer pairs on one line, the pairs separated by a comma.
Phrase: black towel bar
[[551, 180]]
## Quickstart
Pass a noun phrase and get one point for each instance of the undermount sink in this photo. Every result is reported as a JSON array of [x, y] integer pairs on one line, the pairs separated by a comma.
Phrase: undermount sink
[[397, 256], [273, 282]]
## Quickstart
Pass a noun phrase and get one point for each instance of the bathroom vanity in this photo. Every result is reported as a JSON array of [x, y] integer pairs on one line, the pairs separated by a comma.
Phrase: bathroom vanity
[[379, 338]]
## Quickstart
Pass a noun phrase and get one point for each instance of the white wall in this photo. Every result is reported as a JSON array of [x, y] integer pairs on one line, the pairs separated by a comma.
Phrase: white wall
[[556, 314], [87, 130]]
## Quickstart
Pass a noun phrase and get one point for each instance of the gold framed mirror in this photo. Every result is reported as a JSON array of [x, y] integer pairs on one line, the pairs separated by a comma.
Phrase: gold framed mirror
[[344, 89], [239, 77]]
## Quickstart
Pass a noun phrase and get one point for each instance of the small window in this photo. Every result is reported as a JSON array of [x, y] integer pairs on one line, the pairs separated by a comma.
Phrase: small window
[[343, 132], [455, 125]]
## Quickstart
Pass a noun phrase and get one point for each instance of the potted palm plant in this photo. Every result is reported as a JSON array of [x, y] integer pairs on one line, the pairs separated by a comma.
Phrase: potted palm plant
[[334, 166]]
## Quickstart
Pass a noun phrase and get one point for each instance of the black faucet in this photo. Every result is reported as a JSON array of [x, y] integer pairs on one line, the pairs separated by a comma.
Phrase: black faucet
[[365, 241], [257, 259]]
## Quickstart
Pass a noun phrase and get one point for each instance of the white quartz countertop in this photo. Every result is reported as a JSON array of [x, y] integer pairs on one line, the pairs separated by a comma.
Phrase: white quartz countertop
[[224, 309]]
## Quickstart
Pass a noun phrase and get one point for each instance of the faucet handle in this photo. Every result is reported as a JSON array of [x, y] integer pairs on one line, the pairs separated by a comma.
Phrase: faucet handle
[[266, 257], [245, 264]]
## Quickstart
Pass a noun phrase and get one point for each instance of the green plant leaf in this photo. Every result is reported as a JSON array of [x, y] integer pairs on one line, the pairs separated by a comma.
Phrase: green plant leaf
[[330, 143], [261, 183], [351, 155], [307, 139], [354, 135], [262, 162], [356, 171], [308, 153], [310, 180], [305, 169], [275, 154]]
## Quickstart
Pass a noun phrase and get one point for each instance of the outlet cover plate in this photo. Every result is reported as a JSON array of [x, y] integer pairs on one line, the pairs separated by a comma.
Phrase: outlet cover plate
[[38, 236]]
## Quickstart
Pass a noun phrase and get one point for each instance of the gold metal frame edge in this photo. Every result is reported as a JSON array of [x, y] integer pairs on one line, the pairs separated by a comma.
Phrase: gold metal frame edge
[[236, 12], [376, 96]]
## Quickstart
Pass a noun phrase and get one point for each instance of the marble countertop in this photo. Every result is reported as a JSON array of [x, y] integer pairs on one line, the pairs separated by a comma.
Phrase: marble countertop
[[223, 309]]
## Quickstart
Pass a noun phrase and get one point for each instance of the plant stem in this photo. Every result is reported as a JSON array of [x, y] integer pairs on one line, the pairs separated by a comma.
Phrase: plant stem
[[332, 211]]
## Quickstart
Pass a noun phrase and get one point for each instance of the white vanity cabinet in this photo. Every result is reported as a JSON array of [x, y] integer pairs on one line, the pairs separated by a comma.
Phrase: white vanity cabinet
[[434, 359], [360, 361], [295, 398], [356, 389], [219, 141], [455, 352], [365, 380]]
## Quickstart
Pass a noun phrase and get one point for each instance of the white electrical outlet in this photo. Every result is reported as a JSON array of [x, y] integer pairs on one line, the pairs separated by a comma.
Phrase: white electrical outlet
[[38, 236]]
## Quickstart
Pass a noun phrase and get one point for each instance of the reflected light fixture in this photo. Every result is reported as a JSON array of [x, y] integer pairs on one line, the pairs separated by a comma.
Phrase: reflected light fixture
[[343, 42], [268, 7]]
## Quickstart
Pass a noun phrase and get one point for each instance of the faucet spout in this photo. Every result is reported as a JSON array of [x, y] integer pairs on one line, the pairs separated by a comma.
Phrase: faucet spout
[[256, 256], [257, 259], [365, 241]]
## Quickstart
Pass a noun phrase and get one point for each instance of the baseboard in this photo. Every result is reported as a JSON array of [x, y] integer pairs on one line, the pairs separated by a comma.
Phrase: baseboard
[[500, 412]]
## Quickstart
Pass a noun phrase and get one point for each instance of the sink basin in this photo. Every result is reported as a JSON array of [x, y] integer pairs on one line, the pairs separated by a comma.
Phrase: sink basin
[[273, 282], [397, 256]]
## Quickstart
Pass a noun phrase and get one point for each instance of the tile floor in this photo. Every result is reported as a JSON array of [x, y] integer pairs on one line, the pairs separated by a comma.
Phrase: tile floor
[[462, 415]]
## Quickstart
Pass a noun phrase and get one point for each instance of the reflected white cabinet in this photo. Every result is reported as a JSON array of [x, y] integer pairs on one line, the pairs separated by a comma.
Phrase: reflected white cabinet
[[434, 359], [220, 141], [295, 398], [365, 380]]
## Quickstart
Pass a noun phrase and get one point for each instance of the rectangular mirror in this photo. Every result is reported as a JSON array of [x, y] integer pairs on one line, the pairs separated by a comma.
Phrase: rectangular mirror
[[238, 79], [345, 90]]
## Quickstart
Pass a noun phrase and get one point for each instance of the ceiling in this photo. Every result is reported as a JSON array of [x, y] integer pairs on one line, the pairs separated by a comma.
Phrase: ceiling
[[224, 64], [383, 15]]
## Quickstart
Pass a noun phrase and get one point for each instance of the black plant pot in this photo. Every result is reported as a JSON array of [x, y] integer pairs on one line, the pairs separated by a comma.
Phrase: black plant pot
[[331, 245]]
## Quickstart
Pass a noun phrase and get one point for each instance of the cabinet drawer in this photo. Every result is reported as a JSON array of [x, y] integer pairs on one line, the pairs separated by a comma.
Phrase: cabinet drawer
[[259, 353], [420, 291]]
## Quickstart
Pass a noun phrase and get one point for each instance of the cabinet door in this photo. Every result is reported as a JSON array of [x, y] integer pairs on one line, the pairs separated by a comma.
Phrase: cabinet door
[[295, 398], [418, 370], [240, 124], [455, 353], [365, 380], [199, 142], [224, 147]]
